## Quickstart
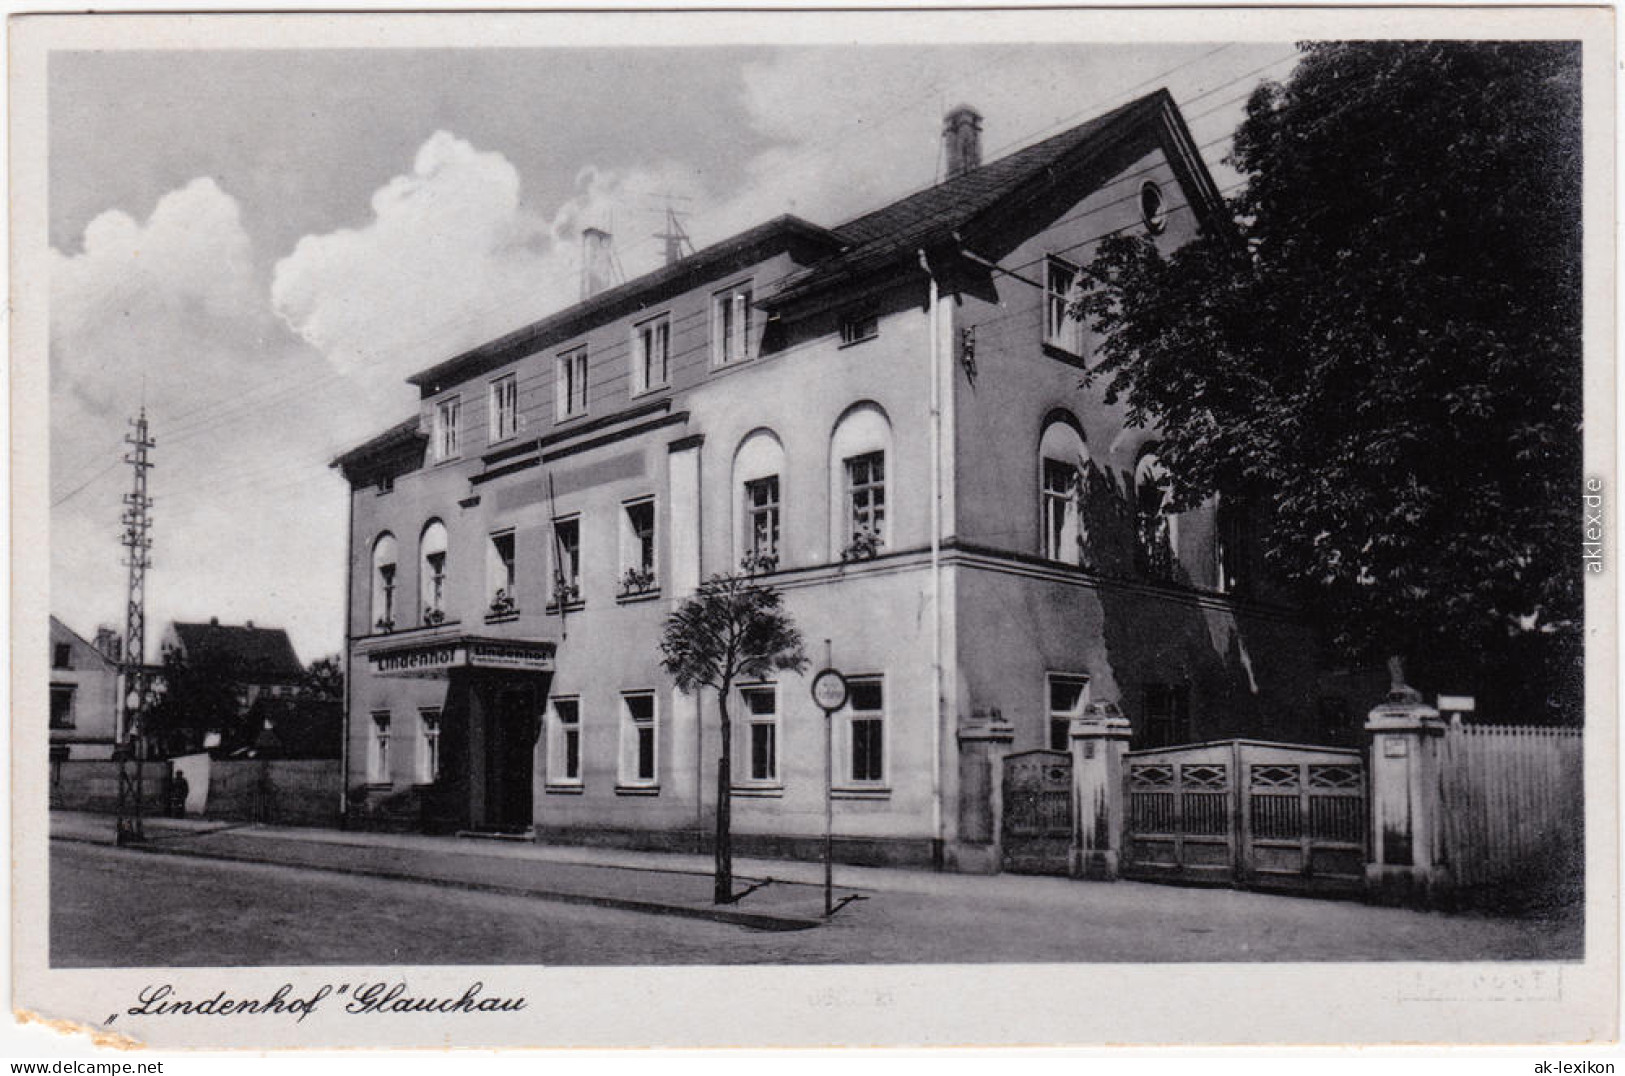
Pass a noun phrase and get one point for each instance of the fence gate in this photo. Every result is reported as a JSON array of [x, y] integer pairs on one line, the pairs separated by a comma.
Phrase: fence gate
[[1242, 812], [1037, 831]]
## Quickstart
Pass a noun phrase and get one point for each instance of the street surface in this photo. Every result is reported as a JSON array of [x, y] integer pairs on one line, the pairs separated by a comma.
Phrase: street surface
[[197, 912]]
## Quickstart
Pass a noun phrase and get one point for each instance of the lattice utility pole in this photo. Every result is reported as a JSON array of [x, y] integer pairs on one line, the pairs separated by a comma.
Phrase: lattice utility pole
[[137, 541]]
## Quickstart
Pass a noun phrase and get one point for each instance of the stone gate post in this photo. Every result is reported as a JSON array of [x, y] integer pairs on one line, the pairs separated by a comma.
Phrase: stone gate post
[[984, 741], [1407, 812], [1100, 736]]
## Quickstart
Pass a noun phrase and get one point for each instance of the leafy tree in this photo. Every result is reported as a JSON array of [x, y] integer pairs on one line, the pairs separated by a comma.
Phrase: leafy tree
[[731, 629], [1386, 351], [324, 677], [196, 700]]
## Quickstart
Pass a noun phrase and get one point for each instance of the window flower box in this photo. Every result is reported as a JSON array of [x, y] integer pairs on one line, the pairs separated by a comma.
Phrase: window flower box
[[759, 563], [865, 545], [637, 581]]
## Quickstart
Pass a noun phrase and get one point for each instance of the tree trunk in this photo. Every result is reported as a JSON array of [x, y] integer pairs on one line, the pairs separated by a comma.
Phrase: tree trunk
[[723, 892]]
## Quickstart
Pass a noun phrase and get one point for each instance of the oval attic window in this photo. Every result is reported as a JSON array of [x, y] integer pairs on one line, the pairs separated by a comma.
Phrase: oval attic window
[[1152, 210]]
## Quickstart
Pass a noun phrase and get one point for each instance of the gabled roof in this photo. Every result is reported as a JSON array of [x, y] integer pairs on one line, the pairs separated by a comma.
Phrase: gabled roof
[[82, 641], [935, 215], [253, 655]]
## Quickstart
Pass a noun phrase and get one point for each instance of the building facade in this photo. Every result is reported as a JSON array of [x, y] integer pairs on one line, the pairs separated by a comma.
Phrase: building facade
[[84, 695], [885, 420]]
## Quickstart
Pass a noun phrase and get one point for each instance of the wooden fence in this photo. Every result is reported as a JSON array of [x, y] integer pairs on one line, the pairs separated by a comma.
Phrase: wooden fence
[[1514, 806]]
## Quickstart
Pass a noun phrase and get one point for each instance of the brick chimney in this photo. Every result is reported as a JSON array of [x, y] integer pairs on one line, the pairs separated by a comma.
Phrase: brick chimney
[[598, 269], [962, 140]]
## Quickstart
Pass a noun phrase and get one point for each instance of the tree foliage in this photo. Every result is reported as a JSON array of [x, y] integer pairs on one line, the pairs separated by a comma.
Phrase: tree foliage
[[1385, 351], [197, 698], [324, 677], [732, 629]]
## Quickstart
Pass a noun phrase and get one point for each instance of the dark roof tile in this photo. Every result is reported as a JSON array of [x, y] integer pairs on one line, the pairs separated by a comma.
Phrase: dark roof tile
[[255, 655]]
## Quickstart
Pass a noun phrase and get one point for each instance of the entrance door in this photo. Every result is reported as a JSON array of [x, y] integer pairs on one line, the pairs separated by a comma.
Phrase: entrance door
[[510, 740], [1037, 831]]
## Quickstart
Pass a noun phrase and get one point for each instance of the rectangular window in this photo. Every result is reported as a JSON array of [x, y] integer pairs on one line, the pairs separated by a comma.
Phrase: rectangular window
[[637, 547], [1166, 719], [761, 733], [762, 522], [499, 574], [62, 706], [572, 383], [1061, 329], [428, 746], [866, 500], [731, 321], [651, 354], [567, 561], [564, 743], [859, 326], [62, 656], [1062, 532], [447, 417], [638, 745], [1067, 697], [378, 749], [866, 731], [504, 407]]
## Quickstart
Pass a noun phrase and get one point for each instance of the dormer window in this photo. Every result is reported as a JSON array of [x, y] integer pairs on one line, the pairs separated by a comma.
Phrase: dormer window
[[504, 408], [651, 354], [858, 326], [447, 417], [731, 319], [572, 383]]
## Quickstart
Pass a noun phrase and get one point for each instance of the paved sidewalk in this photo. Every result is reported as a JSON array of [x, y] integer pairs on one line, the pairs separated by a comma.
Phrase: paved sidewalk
[[774, 897], [907, 916]]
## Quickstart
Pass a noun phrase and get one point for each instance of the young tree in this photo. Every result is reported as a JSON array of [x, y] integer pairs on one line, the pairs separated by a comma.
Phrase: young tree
[[732, 629], [1385, 351]]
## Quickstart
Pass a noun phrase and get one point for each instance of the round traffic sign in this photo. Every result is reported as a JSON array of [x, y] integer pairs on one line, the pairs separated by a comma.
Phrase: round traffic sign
[[829, 690]]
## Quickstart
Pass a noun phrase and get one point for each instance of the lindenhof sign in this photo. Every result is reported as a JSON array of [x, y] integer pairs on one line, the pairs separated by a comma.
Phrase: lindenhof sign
[[440, 657]]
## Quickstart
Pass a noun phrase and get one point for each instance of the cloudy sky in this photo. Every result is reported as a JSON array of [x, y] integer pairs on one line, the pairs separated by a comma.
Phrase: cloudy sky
[[263, 244]]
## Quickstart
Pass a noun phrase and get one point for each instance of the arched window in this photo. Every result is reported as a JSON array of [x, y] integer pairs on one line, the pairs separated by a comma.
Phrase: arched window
[[758, 484], [1062, 464], [1153, 523], [432, 572], [860, 451], [383, 582]]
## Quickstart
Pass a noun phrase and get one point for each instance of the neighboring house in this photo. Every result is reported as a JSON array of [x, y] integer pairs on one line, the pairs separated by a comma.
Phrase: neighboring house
[[883, 419], [259, 663], [84, 696]]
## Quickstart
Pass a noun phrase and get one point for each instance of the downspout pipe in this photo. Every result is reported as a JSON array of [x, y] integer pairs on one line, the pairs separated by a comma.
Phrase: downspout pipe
[[349, 600], [933, 300]]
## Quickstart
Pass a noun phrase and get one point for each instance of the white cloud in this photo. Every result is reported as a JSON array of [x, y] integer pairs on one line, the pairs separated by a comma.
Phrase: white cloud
[[169, 311]]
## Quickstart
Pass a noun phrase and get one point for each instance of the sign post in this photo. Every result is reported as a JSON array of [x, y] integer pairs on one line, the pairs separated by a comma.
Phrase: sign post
[[829, 691]]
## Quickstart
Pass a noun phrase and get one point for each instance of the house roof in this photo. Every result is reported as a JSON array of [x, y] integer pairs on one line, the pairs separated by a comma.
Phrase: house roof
[[934, 215], [86, 643], [255, 655], [400, 435], [572, 320], [860, 248]]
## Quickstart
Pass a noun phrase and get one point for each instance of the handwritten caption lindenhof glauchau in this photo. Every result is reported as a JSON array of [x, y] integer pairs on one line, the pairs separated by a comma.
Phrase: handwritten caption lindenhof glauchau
[[362, 999]]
